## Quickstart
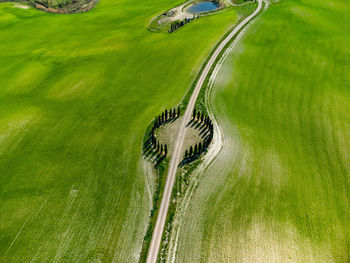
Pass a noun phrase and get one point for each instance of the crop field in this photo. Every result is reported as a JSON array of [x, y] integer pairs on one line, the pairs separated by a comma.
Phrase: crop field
[[279, 189], [76, 95]]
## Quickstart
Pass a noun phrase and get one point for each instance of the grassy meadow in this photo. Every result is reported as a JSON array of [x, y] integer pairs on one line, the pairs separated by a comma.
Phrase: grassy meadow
[[76, 95], [279, 190]]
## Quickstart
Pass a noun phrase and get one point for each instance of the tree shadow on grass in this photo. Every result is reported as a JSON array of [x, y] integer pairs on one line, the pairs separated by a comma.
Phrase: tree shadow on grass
[[189, 123], [147, 148], [190, 159], [203, 132], [159, 159]]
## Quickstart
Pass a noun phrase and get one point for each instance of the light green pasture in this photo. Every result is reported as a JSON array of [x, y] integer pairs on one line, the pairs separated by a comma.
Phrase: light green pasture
[[279, 190]]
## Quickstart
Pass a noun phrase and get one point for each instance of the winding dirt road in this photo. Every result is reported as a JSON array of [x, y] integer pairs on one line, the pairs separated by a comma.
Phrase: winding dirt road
[[178, 148]]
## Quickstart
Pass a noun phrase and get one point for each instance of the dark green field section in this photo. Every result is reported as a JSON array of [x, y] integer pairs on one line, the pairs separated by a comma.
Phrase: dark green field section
[[279, 190], [76, 95]]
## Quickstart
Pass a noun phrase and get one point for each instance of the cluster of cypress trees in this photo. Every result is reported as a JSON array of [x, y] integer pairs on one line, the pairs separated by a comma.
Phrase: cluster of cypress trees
[[161, 119], [199, 117], [166, 116], [158, 147], [208, 127], [177, 24]]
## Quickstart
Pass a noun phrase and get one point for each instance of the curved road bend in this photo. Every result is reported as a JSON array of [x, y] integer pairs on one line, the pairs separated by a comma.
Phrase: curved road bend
[[177, 153]]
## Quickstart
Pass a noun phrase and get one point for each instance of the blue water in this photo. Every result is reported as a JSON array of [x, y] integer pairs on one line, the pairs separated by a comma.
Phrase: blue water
[[203, 7]]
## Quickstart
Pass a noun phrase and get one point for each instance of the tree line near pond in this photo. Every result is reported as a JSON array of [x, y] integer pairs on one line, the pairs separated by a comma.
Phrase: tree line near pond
[[177, 24]]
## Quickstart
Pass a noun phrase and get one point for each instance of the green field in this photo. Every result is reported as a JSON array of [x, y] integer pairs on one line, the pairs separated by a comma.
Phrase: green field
[[76, 95], [279, 190]]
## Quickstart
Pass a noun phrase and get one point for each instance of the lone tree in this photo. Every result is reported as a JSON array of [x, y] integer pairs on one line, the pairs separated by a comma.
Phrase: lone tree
[[205, 145], [153, 141], [210, 137]]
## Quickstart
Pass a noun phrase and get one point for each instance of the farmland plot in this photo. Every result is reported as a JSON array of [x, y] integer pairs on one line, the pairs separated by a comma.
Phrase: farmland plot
[[279, 189]]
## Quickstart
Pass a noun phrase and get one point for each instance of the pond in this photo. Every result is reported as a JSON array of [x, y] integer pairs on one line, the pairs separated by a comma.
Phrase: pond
[[205, 6]]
